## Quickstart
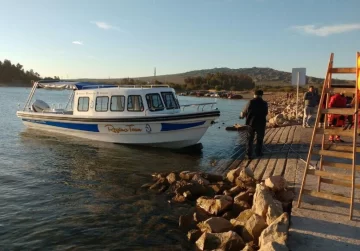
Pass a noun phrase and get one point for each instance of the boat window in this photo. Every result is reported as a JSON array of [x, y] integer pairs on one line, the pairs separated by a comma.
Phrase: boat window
[[135, 104], [101, 104], [117, 103], [83, 104], [154, 102], [170, 101]]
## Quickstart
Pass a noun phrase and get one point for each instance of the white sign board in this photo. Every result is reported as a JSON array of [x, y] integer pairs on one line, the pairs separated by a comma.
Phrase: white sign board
[[302, 76]]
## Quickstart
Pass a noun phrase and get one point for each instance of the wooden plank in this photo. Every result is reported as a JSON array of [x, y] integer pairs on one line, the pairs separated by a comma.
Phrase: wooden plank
[[344, 148], [335, 154], [269, 168], [335, 131], [327, 196], [280, 165], [330, 174], [338, 183], [341, 90], [342, 111], [343, 70], [340, 165], [290, 168]]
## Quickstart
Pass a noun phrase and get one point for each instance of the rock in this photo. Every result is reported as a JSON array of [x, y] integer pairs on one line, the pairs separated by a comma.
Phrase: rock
[[215, 205], [219, 187], [276, 231], [276, 183], [194, 188], [277, 120], [187, 175], [215, 225], [186, 222], [212, 177], [262, 199], [248, 247], [200, 215], [274, 246], [234, 190], [163, 188], [285, 195], [240, 206], [232, 214], [246, 176], [193, 235], [198, 179], [172, 178], [157, 176], [233, 174], [159, 183], [253, 228], [242, 218], [147, 185], [275, 209], [178, 198], [188, 195], [228, 241], [243, 196]]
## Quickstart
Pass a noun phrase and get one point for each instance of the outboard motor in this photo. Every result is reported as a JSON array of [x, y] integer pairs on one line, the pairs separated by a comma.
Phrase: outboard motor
[[39, 106]]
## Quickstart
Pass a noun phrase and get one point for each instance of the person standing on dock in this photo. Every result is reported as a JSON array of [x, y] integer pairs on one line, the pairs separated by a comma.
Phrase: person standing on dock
[[310, 101], [255, 113]]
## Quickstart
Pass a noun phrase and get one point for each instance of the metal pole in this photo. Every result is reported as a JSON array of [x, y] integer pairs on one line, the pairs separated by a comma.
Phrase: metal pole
[[297, 94]]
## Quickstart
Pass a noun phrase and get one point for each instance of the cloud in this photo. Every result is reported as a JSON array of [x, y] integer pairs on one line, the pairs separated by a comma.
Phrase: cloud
[[106, 26], [77, 42], [324, 31]]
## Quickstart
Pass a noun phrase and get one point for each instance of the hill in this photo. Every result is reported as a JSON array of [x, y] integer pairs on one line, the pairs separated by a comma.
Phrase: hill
[[261, 76]]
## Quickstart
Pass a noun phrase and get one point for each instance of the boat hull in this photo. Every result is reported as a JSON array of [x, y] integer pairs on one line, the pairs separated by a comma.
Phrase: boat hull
[[167, 132]]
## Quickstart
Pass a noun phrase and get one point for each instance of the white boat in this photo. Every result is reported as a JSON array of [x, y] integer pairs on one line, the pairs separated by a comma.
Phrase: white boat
[[142, 115]]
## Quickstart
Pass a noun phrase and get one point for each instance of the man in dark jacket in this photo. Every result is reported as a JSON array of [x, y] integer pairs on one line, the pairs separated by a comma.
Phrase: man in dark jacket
[[255, 113]]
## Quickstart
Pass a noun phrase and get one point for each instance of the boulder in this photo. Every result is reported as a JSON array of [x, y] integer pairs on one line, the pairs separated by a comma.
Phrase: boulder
[[194, 188], [215, 225], [248, 248], [233, 174], [172, 177], [193, 235], [213, 178], [275, 209], [157, 176], [147, 185], [178, 198], [276, 231], [186, 222], [276, 183], [216, 205], [234, 191], [242, 218], [198, 179], [159, 183], [200, 215], [240, 206], [285, 195], [253, 228], [187, 175], [228, 241], [262, 199], [243, 196], [219, 187], [232, 214], [274, 246], [277, 120], [246, 178]]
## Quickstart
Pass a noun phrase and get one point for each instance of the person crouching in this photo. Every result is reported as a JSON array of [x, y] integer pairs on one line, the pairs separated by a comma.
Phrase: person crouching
[[255, 113], [337, 120]]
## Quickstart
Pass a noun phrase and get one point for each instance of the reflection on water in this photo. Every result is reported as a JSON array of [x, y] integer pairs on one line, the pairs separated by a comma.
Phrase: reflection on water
[[61, 192]]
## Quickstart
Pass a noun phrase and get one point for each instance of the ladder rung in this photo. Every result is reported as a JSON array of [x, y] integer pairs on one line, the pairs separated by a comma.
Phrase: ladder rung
[[335, 154], [342, 111], [335, 131], [343, 70], [340, 165], [341, 90], [338, 183], [343, 148], [327, 196], [329, 174]]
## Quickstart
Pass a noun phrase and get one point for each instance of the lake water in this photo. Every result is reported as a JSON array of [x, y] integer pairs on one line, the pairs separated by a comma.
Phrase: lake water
[[64, 193]]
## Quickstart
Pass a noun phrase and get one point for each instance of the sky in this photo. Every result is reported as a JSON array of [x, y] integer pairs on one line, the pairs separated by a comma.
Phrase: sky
[[128, 38]]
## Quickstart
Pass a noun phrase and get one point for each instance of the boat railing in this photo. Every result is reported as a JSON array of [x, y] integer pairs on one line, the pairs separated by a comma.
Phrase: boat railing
[[199, 107]]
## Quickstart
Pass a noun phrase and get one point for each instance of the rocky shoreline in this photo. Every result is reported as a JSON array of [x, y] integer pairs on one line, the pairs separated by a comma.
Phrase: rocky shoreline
[[231, 212]]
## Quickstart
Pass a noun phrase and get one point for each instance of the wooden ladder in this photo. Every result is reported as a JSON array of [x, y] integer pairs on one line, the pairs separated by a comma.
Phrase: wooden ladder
[[335, 150]]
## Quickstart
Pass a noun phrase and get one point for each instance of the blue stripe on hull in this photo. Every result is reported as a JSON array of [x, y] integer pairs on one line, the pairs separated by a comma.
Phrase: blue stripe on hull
[[74, 126], [172, 127]]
